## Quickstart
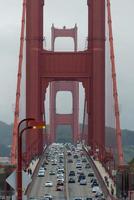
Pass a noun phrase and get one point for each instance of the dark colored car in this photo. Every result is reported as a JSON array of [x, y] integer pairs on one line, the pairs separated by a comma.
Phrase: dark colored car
[[87, 166], [81, 177], [59, 188], [75, 156], [91, 174], [84, 160], [94, 185], [71, 173], [70, 161]]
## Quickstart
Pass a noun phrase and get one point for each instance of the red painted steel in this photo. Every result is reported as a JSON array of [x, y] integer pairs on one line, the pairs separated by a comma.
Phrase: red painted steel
[[87, 67], [115, 92], [56, 32], [16, 114], [64, 119]]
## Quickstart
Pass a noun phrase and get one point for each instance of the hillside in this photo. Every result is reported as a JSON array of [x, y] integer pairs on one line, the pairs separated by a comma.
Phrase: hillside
[[127, 137], [5, 138]]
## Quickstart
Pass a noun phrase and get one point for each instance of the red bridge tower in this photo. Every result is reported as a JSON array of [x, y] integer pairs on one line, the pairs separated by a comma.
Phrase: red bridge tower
[[88, 67]]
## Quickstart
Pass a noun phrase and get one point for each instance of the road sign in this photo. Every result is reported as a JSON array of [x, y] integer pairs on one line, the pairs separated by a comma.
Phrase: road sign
[[26, 179]]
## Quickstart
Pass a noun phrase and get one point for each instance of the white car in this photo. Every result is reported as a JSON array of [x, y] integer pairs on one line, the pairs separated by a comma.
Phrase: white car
[[79, 171], [60, 179], [60, 175], [83, 182], [41, 173], [78, 165], [95, 189], [42, 170], [47, 197], [48, 184]]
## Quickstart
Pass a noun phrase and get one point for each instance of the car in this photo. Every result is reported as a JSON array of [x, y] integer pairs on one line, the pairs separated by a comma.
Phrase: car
[[72, 173], [98, 195], [48, 184], [61, 155], [93, 180], [61, 160], [88, 198], [79, 171], [87, 166], [41, 169], [83, 182], [59, 188], [91, 174], [60, 182], [48, 197], [41, 173], [81, 177], [71, 180], [54, 163], [45, 162], [60, 171], [60, 174], [78, 165], [94, 184], [84, 160], [78, 198], [95, 189], [70, 161], [52, 172], [78, 161], [75, 156], [60, 179]]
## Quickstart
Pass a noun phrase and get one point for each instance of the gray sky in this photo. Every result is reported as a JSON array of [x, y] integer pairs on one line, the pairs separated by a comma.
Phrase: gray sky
[[122, 15]]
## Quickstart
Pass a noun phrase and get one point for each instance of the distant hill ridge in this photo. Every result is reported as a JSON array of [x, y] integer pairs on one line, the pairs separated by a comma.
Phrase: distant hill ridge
[[6, 137]]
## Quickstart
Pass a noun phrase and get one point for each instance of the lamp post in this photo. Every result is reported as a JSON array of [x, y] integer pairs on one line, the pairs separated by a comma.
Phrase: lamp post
[[33, 125]]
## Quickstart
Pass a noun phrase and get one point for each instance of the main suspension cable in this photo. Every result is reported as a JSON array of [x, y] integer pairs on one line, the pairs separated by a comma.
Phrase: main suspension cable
[[16, 113], [115, 93]]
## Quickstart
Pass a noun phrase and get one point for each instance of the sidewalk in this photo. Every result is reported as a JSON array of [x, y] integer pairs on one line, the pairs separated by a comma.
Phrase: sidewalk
[[104, 174], [33, 164]]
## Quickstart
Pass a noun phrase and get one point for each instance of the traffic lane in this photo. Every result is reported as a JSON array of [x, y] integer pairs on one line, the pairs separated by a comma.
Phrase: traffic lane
[[75, 189], [52, 190], [39, 189], [36, 189]]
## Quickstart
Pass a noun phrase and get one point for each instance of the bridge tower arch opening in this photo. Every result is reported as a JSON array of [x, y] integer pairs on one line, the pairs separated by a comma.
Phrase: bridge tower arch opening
[[64, 102]]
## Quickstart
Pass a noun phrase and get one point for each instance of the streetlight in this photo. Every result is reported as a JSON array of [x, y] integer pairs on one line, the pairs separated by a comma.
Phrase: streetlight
[[30, 124]]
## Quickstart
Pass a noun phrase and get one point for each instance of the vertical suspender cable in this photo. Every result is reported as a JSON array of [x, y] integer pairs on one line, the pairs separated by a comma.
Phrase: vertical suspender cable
[[83, 124], [16, 114], [115, 93]]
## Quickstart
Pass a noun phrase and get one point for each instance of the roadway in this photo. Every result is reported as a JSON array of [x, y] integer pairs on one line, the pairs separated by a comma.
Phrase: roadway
[[71, 190], [38, 187], [77, 190]]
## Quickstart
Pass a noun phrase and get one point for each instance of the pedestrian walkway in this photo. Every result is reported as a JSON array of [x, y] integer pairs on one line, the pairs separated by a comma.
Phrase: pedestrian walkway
[[107, 179], [33, 164], [105, 176]]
